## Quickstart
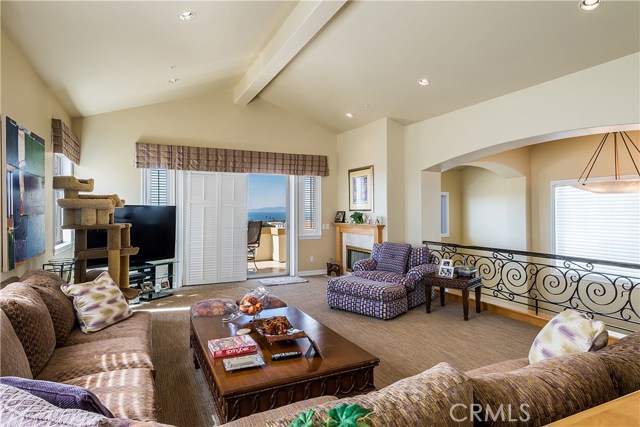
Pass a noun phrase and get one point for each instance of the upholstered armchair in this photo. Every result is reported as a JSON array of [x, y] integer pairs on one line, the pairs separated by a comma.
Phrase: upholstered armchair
[[398, 263]]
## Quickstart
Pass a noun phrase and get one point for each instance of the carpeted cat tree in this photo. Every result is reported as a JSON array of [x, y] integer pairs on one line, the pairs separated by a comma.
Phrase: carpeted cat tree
[[82, 212]]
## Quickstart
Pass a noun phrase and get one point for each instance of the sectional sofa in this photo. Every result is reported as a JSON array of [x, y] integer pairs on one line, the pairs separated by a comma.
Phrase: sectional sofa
[[40, 339]]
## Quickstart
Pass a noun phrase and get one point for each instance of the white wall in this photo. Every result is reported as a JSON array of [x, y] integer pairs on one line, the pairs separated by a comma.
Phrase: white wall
[[210, 120], [601, 96]]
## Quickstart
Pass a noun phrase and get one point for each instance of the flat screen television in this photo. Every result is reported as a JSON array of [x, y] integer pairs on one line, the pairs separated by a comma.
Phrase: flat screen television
[[153, 230]]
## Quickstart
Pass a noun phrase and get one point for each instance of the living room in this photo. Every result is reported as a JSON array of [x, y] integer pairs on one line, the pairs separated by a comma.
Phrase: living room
[[506, 141]]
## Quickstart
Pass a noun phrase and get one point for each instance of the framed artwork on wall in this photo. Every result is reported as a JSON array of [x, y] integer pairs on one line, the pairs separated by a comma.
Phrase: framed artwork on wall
[[361, 189], [23, 216]]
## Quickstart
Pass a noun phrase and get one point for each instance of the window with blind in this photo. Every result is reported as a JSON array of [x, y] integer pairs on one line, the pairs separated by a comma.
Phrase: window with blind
[[157, 186], [62, 166], [444, 214], [310, 213], [603, 226]]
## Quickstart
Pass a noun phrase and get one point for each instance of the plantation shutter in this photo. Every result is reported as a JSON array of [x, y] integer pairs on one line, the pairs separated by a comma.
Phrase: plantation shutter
[[309, 212], [201, 220], [216, 227], [310, 205], [232, 260], [602, 226], [158, 187]]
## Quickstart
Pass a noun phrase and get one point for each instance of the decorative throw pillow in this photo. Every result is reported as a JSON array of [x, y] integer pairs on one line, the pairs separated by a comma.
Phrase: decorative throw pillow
[[393, 257], [20, 408], [568, 332], [31, 322], [63, 396], [98, 303], [48, 285], [13, 359]]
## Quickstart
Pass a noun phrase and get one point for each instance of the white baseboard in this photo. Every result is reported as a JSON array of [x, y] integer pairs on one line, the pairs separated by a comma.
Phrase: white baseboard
[[312, 273]]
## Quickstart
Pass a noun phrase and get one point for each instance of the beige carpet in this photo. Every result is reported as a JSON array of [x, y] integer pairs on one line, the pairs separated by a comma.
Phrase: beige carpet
[[406, 345]]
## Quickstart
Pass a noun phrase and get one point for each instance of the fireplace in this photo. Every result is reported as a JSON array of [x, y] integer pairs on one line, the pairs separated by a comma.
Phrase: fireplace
[[355, 254], [357, 235]]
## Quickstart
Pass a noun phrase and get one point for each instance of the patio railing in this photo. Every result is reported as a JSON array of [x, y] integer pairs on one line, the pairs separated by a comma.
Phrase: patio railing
[[606, 290]]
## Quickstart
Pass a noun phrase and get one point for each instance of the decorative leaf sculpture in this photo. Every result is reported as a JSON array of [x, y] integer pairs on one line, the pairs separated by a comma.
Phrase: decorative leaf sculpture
[[304, 419], [347, 416], [344, 415]]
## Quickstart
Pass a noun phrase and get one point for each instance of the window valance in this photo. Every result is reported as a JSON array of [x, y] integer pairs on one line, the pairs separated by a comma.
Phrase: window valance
[[64, 141], [208, 159]]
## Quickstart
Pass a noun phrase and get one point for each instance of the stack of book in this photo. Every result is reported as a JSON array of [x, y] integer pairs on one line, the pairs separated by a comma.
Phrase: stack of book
[[232, 346]]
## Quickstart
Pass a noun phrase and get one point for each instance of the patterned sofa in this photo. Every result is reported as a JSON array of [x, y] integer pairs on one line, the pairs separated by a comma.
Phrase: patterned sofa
[[385, 285], [532, 395], [41, 340]]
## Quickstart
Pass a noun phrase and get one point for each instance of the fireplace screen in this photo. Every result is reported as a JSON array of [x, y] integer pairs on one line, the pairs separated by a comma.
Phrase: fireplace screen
[[355, 254]]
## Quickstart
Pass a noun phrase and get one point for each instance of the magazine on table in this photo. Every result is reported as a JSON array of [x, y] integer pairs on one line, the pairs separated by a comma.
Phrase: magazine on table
[[232, 346]]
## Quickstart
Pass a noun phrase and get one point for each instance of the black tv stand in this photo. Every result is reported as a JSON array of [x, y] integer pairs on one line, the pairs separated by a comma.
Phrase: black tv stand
[[147, 273]]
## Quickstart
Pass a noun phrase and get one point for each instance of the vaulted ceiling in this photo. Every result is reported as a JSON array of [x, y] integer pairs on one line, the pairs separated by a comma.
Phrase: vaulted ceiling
[[313, 58]]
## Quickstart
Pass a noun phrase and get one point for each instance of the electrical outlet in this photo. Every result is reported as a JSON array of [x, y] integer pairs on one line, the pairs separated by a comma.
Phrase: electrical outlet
[[311, 258]]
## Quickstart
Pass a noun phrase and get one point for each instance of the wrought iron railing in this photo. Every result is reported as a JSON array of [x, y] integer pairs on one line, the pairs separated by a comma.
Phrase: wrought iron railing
[[606, 290]]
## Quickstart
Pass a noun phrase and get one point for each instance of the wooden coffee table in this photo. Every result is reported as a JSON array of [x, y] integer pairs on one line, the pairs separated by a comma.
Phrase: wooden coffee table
[[344, 370]]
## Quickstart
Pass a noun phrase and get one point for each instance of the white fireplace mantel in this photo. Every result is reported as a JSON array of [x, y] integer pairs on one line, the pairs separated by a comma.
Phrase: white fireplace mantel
[[368, 229]]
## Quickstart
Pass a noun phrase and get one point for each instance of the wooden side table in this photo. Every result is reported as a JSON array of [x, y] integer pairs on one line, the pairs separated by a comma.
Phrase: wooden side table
[[465, 284]]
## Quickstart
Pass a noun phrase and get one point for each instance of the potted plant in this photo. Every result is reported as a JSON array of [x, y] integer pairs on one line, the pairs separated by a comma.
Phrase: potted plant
[[357, 218]]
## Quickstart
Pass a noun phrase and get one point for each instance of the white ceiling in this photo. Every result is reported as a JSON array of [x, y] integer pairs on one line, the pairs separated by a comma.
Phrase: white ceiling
[[105, 56]]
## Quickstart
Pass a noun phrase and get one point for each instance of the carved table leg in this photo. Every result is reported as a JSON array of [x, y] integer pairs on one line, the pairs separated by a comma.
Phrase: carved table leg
[[428, 299], [478, 293], [465, 303]]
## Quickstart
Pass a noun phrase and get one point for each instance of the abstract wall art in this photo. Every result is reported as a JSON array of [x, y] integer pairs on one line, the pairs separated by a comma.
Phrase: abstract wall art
[[24, 202]]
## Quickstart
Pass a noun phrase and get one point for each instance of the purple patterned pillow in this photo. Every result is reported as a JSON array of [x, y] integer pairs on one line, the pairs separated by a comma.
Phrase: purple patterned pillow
[[394, 257], [63, 396]]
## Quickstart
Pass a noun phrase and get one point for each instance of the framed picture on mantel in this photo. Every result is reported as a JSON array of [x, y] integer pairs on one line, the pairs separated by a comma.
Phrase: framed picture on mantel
[[361, 189]]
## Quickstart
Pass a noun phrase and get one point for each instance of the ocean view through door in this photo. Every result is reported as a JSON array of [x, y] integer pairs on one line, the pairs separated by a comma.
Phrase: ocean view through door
[[267, 196]]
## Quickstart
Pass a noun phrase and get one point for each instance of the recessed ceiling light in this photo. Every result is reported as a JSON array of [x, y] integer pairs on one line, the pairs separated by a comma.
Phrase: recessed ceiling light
[[589, 4], [424, 82], [173, 80], [187, 16], [350, 115], [173, 67]]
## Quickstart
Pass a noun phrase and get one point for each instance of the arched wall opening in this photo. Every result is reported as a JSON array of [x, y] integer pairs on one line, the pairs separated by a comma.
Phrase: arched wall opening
[[583, 104]]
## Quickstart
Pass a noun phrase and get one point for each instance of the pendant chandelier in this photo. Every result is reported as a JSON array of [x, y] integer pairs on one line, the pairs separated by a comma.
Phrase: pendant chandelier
[[618, 185]]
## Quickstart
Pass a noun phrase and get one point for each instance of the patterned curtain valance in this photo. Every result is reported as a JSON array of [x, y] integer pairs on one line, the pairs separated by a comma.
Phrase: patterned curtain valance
[[64, 141], [224, 160]]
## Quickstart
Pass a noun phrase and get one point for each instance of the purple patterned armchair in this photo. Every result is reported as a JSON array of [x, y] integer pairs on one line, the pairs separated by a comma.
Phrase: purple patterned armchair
[[401, 264], [385, 285]]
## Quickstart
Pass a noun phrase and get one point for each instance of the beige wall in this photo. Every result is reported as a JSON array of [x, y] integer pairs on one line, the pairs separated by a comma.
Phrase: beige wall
[[484, 208], [607, 95], [523, 190], [564, 160], [395, 182], [210, 120], [26, 99], [379, 144]]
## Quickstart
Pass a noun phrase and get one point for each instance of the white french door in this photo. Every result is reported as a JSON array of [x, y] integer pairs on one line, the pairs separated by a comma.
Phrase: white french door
[[215, 227]]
